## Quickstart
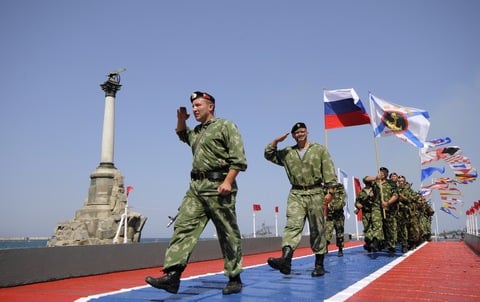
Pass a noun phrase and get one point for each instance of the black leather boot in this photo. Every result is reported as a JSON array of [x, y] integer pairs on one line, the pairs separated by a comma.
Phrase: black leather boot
[[391, 251], [340, 252], [170, 281], [374, 245], [319, 269], [284, 263], [234, 286]]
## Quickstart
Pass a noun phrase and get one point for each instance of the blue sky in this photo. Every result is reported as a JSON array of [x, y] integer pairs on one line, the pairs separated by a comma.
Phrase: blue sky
[[266, 63]]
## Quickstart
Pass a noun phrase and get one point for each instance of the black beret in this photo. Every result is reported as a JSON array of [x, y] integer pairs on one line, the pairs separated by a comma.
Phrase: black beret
[[383, 169], [298, 126], [200, 94]]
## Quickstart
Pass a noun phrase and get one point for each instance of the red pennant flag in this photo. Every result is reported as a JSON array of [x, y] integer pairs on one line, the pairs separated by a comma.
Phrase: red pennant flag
[[358, 188], [276, 209], [257, 207], [129, 188]]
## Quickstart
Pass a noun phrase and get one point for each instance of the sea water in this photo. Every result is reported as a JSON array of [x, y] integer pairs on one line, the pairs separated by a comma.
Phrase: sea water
[[21, 244], [33, 243]]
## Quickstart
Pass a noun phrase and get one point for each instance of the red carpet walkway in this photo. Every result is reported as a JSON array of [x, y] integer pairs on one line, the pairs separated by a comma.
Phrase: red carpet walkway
[[438, 271]]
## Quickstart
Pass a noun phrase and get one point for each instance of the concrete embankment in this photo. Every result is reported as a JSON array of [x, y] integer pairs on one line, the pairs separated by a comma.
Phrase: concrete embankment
[[32, 265]]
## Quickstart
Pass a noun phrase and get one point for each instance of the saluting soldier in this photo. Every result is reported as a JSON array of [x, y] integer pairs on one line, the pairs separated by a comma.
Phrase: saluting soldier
[[311, 173], [218, 157]]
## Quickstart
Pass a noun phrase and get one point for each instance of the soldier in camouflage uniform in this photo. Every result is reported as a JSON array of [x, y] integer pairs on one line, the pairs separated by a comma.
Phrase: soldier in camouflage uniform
[[414, 229], [430, 212], [218, 157], [393, 178], [405, 194], [385, 198], [364, 202], [425, 214], [311, 172], [336, 218]]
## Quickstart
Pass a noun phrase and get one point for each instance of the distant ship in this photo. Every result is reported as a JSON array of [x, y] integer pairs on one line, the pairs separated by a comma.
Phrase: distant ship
[[264, 231]]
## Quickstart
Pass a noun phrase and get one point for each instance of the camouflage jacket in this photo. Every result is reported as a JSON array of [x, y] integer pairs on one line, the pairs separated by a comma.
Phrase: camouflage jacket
[[216, 145], [388, 190], [366, 199], [315, 167], [338, 201]]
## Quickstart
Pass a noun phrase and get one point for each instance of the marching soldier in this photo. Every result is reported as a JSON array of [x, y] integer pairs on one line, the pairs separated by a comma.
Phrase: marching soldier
[[336, 218], [365, 201], [386, 196], [405, 194], [311, 173]]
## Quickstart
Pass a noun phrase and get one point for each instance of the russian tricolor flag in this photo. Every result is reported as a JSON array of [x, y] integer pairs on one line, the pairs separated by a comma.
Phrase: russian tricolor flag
[[343, 108]]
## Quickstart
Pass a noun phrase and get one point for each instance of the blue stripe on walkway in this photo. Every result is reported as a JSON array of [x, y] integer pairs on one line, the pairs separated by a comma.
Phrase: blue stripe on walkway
[[261, 283]]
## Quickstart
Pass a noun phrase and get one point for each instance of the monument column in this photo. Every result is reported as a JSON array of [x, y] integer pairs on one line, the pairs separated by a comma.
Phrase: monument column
[[98, 221], [102, 179], [111, 86]]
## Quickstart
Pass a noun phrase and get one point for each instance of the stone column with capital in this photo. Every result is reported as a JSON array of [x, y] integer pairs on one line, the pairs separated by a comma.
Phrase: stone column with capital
[[111, 86], [102, 179]]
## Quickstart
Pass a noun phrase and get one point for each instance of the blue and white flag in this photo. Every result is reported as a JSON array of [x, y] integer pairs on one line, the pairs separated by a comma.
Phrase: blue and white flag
[[438, 142], [343, 179], [409, 124], [449, 211], [427, 172]]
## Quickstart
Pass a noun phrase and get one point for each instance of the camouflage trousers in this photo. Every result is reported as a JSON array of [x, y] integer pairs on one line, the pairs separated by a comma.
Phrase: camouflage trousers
[[403, 224], [390, 229], [375, 227], [366, 218], [302, 205], [414, 230], [335, 222], [425, 227], [200, 205]]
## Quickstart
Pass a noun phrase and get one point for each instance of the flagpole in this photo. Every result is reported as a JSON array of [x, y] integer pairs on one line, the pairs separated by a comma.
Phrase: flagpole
[[377, 157], [476, 224], [436, 217], [467, 223], [123, 220], [324, 122], [254, 232], [326, 139], [354, 201], [125, 224], [436, 223], [276, 224], [472, 223]]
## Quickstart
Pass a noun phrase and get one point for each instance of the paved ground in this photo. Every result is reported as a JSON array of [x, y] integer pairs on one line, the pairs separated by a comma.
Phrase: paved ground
[[437, 271]]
